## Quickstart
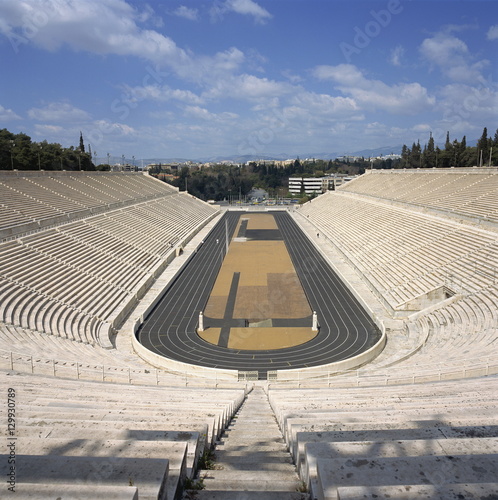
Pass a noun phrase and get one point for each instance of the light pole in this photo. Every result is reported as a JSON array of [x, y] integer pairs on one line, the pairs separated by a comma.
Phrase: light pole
[[12, 144], [39, 160], [108, 160]]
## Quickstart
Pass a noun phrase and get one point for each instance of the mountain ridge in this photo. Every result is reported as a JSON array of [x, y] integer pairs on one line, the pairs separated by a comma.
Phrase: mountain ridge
[[384, 150]]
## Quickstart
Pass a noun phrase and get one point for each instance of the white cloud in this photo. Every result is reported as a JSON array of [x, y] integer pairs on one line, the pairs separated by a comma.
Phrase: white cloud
[[254, 87], [112, 128], [43, 130], [451, 55], [403, 98], [249, 7], [442, 48], [208, 70], [58, 112], [422, 127], [247, 87], [347, 74], [243, 7], [113, 27], [7, 115], [98, 26], [160, 93], [492, 33], [335, 108], [461, 102], [186, 13], [396, 55], [204, 114]]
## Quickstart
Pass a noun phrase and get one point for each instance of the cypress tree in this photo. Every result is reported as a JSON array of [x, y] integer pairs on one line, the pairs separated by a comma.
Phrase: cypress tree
[[82, 144], [483, 147]]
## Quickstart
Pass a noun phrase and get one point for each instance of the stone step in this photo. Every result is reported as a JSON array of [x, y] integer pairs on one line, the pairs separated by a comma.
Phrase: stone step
[[251, 458], [257, 448], [400, 448], [242, 441], [235, 465], [416, 492], [195, 443], [270, 432], [32, 491], [400, 471], [148, 475], [249, 495], [256, 483], [176, 453], [241, 457], [423, 429]]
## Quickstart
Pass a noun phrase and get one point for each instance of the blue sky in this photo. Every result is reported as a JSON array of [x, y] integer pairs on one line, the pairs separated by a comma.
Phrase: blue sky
[[195, 78]]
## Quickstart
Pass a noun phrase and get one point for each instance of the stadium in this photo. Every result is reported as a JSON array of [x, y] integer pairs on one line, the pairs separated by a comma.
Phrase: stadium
[[156, 346]]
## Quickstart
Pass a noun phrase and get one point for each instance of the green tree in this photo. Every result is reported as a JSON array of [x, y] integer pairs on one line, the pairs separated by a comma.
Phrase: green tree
[[429, 156], [483, 148], [82, 144]]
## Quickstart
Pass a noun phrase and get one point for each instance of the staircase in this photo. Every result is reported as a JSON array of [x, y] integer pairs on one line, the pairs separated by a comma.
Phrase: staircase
[[251, 459]]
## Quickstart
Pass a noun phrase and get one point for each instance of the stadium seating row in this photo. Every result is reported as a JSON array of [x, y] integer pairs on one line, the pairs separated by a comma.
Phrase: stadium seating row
[[30, 200], [470, 192], [74, 280], [434, 440], [87, 441], [405, 254]]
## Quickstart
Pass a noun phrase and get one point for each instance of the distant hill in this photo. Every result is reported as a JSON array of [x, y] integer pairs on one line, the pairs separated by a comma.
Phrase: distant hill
[[385, 150]]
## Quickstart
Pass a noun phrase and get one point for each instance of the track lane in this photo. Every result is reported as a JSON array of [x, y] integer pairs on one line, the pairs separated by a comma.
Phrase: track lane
[[345, 329]]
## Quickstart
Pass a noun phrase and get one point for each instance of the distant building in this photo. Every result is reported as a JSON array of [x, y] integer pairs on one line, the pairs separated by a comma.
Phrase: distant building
[[165, 166], [317, 185], [349, 158], [118, 167]]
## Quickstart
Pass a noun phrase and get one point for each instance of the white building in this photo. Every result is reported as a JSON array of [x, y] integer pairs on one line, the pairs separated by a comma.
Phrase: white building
[[309, 185], [317, 185]]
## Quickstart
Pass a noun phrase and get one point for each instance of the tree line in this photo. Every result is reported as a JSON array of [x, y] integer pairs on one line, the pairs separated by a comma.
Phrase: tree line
[[219, 182], [454, 154], [19, 152]]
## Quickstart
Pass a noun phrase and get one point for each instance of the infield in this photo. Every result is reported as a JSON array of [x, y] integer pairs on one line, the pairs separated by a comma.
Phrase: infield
[[256, 285]]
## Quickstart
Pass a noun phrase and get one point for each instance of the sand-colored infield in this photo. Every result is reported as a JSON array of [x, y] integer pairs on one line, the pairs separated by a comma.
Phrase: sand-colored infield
[[211, 335], [268, 338], [268, 288]]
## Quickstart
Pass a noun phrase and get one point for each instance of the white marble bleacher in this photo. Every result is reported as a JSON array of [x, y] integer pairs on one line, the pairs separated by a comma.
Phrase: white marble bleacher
[[72, 288], [83, 433], [46, 190], [27, 207], [28, 343], [74, 279], [423, 435], [468, 192], [460, 337], [411, 256], [30, 200], [11, 217], [403, 253]]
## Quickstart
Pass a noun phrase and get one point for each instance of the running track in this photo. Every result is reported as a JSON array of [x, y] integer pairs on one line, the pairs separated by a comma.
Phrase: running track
[[345, 329]]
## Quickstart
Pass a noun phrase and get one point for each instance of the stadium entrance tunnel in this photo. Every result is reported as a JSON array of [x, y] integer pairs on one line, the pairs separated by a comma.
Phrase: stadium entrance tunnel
[[257, 280]]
